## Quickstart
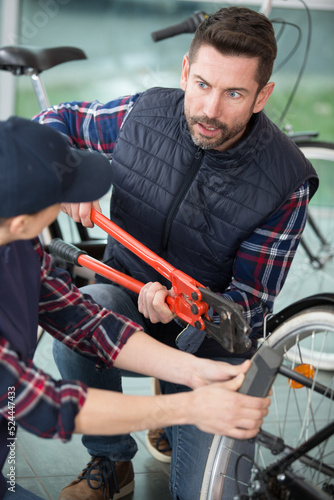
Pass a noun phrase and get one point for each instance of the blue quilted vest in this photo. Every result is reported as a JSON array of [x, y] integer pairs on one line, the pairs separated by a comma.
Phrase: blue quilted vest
[[190, 206]]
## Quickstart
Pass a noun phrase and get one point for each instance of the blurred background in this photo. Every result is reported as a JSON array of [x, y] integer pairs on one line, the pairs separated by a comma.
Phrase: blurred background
[[122, 57]]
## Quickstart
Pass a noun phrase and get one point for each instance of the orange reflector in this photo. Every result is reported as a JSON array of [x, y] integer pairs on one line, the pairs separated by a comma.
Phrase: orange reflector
[[304, 369]]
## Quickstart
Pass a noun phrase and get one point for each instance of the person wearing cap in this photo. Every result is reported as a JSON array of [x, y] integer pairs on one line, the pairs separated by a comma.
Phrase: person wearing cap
[[38, 171]]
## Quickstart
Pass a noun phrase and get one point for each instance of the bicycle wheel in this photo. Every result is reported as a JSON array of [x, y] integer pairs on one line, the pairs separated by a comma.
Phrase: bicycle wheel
[[309, 276], [295, 414]]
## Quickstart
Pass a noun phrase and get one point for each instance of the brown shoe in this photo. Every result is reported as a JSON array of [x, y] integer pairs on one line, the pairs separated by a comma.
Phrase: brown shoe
[[102, 479], [158, 445]]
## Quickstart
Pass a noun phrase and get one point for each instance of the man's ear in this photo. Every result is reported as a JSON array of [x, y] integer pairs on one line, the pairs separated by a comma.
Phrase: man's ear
[[185, 72], [17, 225], [263, 97]]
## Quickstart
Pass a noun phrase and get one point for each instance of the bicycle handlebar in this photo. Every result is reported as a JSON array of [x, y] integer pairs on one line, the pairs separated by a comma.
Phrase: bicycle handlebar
[[188, 26], [191, 24]]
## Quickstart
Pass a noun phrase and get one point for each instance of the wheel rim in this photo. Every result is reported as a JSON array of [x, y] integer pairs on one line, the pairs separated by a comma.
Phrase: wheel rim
[[298, 413]]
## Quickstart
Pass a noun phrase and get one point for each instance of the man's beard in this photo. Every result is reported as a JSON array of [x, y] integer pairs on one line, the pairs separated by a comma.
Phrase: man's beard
[[227, 133]]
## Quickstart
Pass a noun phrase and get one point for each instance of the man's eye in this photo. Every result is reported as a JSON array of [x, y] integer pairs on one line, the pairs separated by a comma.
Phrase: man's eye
[[233, 94], [202, 85]]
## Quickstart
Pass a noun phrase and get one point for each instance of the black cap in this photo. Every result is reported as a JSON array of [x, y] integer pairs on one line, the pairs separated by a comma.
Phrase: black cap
[[38, 168]]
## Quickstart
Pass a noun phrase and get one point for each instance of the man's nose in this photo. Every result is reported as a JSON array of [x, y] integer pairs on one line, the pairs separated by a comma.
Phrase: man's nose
[[212, 106]]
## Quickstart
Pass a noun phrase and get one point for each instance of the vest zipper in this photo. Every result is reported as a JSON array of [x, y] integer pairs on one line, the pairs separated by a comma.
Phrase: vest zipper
[[180, 196]]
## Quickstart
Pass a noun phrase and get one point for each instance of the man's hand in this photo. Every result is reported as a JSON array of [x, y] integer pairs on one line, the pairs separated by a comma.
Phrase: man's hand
[[219, 409], [80, 212], [214, 405], [152, 303], [215, 408], [207, 371]]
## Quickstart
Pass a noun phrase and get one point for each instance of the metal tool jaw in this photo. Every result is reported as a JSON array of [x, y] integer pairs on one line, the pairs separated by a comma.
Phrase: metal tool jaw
[[232, 332]]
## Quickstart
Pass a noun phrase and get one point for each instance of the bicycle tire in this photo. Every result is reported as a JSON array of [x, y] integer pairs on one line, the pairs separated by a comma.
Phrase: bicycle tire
[[304, 414], [305, 277]]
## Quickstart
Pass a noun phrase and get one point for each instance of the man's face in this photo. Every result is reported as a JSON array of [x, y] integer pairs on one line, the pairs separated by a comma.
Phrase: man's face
[[221, 94]]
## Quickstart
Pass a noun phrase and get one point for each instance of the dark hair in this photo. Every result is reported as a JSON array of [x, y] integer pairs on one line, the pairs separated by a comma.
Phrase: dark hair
[[239, 31]]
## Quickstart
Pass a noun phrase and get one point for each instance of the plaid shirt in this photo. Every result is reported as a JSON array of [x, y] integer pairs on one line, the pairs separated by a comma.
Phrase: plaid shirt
[[44, 406], [262, 261]]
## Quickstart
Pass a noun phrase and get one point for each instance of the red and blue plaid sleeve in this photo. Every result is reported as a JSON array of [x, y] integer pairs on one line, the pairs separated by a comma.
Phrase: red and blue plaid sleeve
[[43, 406], [89, 125], [77, 320], [263, 260]]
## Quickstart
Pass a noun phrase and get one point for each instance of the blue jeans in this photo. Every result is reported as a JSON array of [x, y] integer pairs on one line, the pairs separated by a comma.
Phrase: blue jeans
[[75, 367], [190, 445], [20, 494], [190, 449]]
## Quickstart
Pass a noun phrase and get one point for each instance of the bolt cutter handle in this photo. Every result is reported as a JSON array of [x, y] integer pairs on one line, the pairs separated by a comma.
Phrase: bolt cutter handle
[[181, 282], [192, 300], [179, 304]]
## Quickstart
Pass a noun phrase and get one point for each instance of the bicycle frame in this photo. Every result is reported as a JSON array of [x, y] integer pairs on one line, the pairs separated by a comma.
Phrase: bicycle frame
[[279, 471]]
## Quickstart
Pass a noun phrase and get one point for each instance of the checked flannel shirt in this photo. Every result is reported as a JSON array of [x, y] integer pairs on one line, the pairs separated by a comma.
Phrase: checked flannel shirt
[[262, 261], [43, 406]]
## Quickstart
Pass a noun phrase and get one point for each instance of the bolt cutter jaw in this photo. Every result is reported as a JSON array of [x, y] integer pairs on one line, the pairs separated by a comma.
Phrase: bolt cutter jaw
[[232, 332]]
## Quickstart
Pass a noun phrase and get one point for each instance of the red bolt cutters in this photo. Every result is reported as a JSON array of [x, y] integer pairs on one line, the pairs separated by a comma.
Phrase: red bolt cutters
[[192, 300]]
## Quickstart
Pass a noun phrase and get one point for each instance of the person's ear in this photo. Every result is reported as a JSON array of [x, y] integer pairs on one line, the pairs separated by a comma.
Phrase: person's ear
[[185, 72], [263, 97], [18, 224]]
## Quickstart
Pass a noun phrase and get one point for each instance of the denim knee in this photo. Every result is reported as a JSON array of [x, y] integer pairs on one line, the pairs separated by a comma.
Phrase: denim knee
[[115, 299]]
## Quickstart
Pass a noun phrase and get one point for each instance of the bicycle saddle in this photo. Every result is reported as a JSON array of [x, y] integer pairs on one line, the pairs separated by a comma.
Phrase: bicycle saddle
[[19, 59]]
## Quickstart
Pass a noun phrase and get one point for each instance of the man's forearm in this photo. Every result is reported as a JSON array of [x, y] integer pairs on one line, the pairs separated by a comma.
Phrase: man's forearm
[[215, 408], [145, 355], [106, 413]]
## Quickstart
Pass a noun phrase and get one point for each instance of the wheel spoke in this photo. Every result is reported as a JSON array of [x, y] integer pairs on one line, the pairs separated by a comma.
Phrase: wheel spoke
[[296, 414]]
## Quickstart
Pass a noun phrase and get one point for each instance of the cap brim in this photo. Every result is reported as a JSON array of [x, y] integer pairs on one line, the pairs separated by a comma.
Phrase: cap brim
[[92, 179]]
